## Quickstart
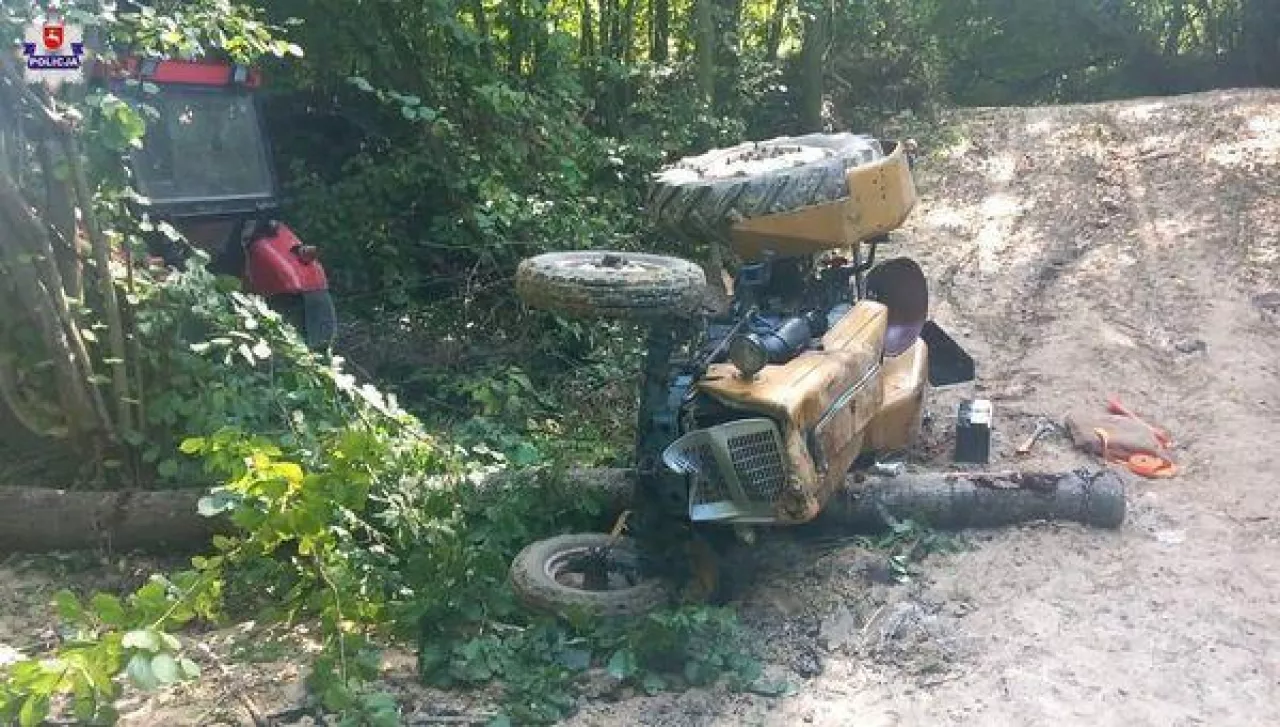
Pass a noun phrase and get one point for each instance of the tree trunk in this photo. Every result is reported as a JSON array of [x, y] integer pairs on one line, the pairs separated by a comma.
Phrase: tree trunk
[[481, 20], [34, 520], [812, 54], [627, 38], [1260, 40], [539, 58], [516, 37], [773, 31], [38, 520], [86, 413], [979, 500], [587, 39], [660, 23], [1173, 31], [952, 501], [60, 212], [608, 9], [119, 364], [728, 14], [706, 48], [615, 30]]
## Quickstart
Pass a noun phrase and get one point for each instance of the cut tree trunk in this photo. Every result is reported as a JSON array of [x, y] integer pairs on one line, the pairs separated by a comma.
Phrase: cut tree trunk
[[951, 501], [955, 501], [36, 520], [39, 520]]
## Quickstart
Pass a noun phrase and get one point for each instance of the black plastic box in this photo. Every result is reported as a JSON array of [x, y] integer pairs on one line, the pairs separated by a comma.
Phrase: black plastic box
[[973, 432]]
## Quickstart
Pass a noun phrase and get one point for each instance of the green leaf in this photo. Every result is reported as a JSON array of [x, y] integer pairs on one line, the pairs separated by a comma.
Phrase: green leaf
[[139, 671], [361, 84], [108, 609], [191, 445], [165, 669], [69, 608], [622, 665], [525, 454], [189, 668], [168, 468], [144, 639], [85, 701], [34, 710]]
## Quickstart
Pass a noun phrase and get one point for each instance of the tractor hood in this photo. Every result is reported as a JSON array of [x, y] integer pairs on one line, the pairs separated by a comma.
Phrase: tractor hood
[[822, 401]]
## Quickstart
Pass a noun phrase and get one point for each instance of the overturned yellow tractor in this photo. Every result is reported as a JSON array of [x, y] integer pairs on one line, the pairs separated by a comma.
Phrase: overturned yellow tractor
[[763, 388]]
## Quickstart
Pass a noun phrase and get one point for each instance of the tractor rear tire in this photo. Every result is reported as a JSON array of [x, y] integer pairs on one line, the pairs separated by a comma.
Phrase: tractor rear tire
[[535, 571], [701, 197], [627, 285]]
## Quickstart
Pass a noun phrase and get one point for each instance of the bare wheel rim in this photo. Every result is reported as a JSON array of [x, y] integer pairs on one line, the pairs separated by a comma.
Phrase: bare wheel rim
[[609, 261], [565, 568]]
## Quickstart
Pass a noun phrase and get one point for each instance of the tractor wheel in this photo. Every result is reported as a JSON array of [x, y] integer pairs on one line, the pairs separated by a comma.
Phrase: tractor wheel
[[628, 285], [700, 197], [586, 573], [312, 313]]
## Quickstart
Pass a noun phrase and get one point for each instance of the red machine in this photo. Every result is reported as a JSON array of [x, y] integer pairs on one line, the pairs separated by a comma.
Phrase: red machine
[[205, 166]]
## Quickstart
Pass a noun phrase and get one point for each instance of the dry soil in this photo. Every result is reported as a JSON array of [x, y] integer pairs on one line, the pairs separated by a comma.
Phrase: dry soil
[[1128, 248]]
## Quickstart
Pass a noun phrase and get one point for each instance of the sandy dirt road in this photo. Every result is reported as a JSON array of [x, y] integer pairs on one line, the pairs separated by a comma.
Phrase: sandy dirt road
[[1129, 248]]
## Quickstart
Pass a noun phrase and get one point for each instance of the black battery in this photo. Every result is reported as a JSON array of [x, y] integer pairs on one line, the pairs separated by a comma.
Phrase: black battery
[[973, 431]]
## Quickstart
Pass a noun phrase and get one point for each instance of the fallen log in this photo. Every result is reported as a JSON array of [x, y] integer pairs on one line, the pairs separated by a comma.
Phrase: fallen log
[[953, 501], [35, 520]]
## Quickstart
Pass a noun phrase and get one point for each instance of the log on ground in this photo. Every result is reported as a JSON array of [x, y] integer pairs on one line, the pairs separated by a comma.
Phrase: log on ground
[[955, 501], [35, 520], [39, 520]]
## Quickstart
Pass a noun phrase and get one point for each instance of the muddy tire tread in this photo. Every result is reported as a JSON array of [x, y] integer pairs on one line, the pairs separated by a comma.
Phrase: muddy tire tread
[[705, 209], [669, 286]]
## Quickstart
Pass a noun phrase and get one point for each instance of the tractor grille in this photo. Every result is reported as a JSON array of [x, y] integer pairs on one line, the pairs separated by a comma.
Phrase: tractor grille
[[709, 483], [737, 470], [757, 460]]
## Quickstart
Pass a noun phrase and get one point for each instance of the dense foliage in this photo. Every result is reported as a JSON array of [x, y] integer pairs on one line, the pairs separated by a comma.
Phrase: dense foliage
[[470, 134]]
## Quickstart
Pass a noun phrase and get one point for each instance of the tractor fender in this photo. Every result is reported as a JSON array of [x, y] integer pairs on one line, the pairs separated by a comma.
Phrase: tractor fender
[[276, 266]]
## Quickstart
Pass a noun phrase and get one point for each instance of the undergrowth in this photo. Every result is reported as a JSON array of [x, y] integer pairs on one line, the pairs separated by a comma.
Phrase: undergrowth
[[907, 543], [352, 514]]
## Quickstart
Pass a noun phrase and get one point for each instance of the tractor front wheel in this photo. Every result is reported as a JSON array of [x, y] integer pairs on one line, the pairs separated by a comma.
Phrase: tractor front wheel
[[627, 285], [586, 573]]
